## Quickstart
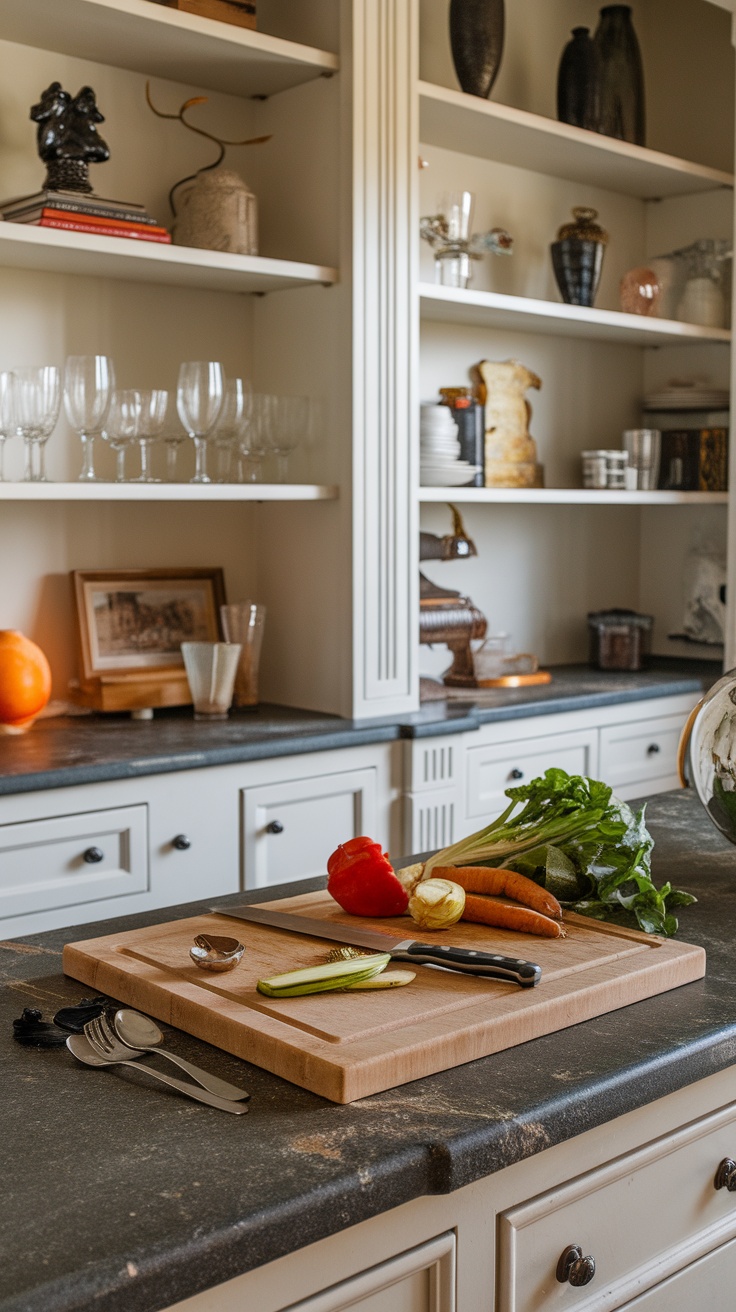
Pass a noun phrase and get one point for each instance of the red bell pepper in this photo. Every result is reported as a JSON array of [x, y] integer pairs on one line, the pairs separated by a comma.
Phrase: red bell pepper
[[362, 880]]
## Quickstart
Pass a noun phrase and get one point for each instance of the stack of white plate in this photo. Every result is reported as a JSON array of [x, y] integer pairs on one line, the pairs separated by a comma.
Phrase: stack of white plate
[[440, 463]]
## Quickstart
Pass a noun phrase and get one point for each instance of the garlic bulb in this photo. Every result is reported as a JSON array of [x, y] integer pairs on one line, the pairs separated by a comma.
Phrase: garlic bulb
[[436, 903]]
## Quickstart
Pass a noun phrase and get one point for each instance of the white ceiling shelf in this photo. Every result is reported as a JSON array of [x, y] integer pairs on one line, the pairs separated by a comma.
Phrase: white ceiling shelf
[[53, 250], [526, 314], [567, 496], [160, 42], [473, 126], [159, 492]]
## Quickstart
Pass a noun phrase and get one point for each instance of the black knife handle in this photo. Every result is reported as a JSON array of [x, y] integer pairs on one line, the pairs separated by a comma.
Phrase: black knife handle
[[525, 973]]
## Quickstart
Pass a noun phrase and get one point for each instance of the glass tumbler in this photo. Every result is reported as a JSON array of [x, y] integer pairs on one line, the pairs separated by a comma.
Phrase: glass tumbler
[[243, 622], [643, 448], [211, 668]]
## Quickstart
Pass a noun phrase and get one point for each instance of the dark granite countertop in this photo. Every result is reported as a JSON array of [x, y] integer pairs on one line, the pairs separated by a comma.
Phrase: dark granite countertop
[[70, 750], [123, 1197]]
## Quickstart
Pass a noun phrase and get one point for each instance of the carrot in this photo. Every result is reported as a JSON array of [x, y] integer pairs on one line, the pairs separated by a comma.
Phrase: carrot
[[490, 911], [504, 883]]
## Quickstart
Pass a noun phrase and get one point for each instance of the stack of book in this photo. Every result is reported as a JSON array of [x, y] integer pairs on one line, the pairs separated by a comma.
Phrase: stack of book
[[74, 211]]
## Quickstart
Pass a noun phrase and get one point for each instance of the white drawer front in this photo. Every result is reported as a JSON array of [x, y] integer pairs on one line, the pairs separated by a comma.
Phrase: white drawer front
[[493, 768], [43, 865], [640, 753], [641, 1217], [707, 1284], [290, 829]]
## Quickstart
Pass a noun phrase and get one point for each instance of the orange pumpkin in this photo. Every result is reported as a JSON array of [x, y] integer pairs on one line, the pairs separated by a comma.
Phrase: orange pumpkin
[[25, 680]]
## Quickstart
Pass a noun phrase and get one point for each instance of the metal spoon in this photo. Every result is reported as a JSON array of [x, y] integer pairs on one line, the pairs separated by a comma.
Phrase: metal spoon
[[141, 1034], [82, 1049]]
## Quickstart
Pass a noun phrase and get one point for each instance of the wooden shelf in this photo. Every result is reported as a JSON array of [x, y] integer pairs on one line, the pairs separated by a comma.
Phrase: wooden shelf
[[567, 496], [168, 492], [149, 38], [472, 126], [525, 314], [55, 251]]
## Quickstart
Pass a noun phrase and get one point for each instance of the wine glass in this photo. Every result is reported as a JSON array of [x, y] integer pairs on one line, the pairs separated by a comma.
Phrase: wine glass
[[253, 439], [154, 404], [7, 417], [36, 401], [233, 417], [89, 382], [123, 425], [199, 399], [287, 428]]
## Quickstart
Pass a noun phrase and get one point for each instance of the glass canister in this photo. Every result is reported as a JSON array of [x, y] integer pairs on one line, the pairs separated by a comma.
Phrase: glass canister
[[619, 639]]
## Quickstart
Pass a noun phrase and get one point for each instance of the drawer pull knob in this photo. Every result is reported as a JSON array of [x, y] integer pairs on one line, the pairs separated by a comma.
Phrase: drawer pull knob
[[726, 1175], [516, 773], [274, 827], [573, 1268], [93, 855], [181, 843], [653, 749]]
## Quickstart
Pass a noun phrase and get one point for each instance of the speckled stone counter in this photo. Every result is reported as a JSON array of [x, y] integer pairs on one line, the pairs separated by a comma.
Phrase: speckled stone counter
[[68, 751], [123, 1197]]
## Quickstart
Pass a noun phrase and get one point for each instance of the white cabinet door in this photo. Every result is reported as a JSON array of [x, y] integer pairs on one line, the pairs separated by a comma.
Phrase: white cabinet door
[[290, 829]]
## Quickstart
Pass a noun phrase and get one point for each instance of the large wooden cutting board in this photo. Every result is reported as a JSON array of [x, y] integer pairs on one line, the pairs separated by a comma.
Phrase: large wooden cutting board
[[348, 1045]]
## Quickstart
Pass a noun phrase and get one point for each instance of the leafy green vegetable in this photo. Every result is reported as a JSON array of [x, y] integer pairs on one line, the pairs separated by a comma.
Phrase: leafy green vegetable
[[583, 844]]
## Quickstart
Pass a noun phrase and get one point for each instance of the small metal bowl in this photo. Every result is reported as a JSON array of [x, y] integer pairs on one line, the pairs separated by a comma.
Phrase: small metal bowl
[[215, 952]]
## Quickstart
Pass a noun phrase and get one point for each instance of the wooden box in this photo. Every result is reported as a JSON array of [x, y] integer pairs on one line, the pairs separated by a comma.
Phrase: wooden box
[[240, 12]]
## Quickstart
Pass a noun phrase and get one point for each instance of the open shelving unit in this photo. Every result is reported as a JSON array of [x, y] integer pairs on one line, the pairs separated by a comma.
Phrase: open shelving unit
[[167, 492], [567, 496], [53, 250]]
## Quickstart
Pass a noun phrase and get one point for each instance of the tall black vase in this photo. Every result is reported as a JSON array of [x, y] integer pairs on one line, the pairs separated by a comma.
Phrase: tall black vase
[[476, 38], [621, 76], [578, 82]]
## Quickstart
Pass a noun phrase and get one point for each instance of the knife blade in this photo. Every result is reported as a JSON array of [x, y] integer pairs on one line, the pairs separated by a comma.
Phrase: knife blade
[[489, 965]]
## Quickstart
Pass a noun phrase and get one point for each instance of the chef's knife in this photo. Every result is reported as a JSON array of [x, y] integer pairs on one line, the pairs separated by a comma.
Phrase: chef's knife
[[487, 964]]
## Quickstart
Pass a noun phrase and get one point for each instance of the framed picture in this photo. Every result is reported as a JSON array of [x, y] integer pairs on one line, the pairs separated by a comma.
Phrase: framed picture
[[131, 623]]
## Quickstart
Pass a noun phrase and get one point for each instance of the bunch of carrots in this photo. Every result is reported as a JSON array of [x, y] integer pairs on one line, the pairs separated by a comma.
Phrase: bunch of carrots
[[532, 910]]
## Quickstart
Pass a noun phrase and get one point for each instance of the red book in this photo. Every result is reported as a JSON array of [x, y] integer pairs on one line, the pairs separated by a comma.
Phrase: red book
[[120, 230], [98, 221]]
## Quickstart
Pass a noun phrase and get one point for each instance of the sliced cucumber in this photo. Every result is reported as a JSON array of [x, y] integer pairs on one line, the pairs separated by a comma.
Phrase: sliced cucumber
[[323, 979], [387, 979]]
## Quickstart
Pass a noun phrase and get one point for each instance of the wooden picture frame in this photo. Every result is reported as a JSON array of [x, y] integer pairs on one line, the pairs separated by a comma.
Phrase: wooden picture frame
[[130, 626]]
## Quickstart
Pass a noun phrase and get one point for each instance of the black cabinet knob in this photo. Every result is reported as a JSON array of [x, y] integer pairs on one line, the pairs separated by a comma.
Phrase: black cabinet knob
[[516, 773], [573, 1268], [93, 855], [652, 749], [726, 1175], [274, 827], [181, 843]]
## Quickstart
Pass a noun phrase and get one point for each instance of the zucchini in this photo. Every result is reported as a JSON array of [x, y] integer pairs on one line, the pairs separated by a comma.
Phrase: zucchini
[[387, 979], [324, 978]]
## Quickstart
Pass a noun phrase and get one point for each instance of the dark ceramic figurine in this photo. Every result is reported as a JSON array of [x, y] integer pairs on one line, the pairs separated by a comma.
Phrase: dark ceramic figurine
[[577, 257], [578, 82], [67, 137], [621, 76], [476, 37]]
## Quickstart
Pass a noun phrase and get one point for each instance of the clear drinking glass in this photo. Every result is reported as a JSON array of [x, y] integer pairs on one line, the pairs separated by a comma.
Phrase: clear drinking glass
[[123, 426], [7, 417], [154, 404], [89, 382], [199, 400], [234, 415], [288, 427], [643, 447], [243, 622], [211, 668], [253, 439], [36, 400]]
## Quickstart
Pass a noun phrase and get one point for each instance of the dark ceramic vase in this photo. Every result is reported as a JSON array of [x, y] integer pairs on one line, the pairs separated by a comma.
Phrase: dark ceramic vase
[[476, 38], [578, 82], [621, 76], [577, 266]]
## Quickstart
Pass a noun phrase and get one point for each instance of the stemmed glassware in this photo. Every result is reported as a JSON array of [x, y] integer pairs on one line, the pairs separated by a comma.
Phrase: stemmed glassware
[[234, 417], [199, 398], [36, 400], [252, 440], [287, 425], [89, 382], [7, 417], [123, 426], [154, 404]]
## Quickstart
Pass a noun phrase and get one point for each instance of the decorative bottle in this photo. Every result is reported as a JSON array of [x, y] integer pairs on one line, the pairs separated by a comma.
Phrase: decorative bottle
[[578, 82], [476, 38], [621, 76]]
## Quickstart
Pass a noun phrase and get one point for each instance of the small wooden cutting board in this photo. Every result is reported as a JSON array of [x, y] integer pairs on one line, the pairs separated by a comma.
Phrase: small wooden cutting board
[[348, 1045]]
